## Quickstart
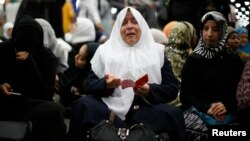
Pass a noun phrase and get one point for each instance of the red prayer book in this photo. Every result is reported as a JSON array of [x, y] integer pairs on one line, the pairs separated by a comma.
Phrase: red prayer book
[[130, 83]]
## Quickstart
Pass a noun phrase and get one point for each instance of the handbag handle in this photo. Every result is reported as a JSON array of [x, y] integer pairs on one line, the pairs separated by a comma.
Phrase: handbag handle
[[122, 132], [111, 117]]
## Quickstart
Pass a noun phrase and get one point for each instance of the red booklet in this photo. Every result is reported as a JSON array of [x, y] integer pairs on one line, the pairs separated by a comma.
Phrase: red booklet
[[130, 83]]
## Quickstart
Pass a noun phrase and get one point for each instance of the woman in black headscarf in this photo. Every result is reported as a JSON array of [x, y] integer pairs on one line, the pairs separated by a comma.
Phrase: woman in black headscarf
[[71, 82], [29, 68], [35, 63]]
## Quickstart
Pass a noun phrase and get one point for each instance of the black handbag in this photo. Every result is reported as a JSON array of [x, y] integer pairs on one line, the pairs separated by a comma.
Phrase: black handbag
[[106, 131]]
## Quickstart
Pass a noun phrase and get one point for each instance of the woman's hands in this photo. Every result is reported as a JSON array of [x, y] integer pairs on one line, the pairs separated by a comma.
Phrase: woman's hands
[[6, 88], [142, 90], [218, 110], [22, 55], [112, 81]]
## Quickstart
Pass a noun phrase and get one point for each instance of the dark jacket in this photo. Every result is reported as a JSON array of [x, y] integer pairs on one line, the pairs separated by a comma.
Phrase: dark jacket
[[206, 81]]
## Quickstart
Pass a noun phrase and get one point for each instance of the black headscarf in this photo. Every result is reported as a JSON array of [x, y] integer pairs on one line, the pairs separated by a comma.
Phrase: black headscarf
[[76, 77], [27, 35], [92, 46], [73, 73]]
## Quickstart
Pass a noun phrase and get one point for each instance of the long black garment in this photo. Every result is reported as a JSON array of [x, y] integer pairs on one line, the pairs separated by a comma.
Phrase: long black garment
[[51, 10], [34, 79], [205, 81]]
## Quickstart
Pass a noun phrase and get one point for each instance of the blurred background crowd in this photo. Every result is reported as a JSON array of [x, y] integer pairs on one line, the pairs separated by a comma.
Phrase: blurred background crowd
[[62, 14]]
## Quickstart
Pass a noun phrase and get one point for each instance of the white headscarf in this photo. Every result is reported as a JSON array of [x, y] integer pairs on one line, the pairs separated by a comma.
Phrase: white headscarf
[[58, 46], [84, 32], [49, 36], [128, 62], [159, 36], [6, 27]]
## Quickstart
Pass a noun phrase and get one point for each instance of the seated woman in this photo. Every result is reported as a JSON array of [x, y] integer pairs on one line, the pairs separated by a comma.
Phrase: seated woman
[[244, 42], [83, 31], [181, 41], [130, 53], [29, 68], [210, 76], [70, 84], [232, 40]]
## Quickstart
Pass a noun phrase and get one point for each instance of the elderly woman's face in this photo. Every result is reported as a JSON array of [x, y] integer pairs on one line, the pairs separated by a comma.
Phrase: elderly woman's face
[[130, 30], [211, 32]]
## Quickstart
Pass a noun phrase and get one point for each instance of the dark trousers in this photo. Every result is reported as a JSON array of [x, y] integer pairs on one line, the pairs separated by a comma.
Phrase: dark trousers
[[47, 117]]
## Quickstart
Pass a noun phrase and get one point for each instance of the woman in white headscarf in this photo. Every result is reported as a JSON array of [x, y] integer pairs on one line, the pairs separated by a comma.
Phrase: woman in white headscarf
[[129, 54], [7, 31], [82, 32], [58, 46]]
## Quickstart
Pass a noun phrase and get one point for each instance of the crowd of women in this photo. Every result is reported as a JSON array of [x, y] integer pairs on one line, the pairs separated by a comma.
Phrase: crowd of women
[[205, 78]]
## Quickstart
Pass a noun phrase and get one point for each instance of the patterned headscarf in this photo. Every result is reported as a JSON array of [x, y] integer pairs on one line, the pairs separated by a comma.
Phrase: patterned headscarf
[[181, 38], [182, 35], [210, 51]]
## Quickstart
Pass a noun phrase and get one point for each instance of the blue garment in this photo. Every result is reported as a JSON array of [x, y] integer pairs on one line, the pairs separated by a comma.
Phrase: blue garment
[[241, 30], [245, 48], [75, 6], [210, 120]]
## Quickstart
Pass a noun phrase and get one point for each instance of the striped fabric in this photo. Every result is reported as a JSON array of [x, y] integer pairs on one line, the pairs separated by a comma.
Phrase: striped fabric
[[196, 129]]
